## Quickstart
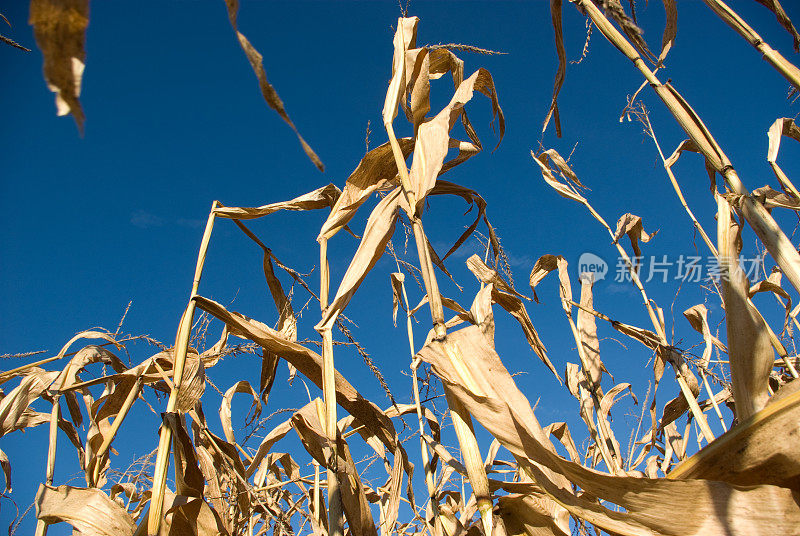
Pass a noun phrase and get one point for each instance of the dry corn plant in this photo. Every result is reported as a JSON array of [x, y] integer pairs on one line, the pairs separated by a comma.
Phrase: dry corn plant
[[745, 481]]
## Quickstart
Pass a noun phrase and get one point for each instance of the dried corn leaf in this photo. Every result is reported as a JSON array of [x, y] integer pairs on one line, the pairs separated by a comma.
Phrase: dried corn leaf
[[749, 346], [509, 299], [287, 321], [760, 450], [481, 314], [563, 188], [587, 331], [84, 357], [782, 127], [376, 171], [309, 363], [379, 229], [14, 405], [188, 477], [560, 431], [190, 515], [107, 406], [670, 28], [274, 435], [185, 516], [193, 383], [270, 95], [323, 197], [242, 386], [772, 284], [397, 278], [60, 30], [488, 275], [685, 145], [650, 504], [776, 7], [354, 502], [555, 14], [90, 511], [416, 99], [531, 515], [269, 368], [771, 198], [6, 465], [30, 419], [153, 371], [404, 39], [433, 137], [224, 474], [631, 225], [470, 196], [546, 264], [580, 389], [698, 318], [610, 398]]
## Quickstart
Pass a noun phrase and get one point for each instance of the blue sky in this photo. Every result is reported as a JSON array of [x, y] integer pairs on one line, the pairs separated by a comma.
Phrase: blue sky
[[175, 120]]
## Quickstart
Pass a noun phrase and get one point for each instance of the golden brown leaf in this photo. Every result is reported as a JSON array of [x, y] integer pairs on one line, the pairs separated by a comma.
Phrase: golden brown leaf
[[90, 511], [270, 95], [60, 30]]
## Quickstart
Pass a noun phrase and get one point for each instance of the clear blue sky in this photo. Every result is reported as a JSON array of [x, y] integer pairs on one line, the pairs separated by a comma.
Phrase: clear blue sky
[[175, 120]]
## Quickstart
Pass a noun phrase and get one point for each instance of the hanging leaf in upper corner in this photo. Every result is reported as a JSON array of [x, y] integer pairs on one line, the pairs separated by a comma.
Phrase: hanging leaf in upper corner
[[60, 30]]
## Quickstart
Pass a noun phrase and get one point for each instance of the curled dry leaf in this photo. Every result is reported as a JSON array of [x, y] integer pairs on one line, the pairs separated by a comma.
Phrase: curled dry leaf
[[563, 188], [555, 13], [309, 363], [14, 405], [509, 299], [242, 386], [90, 511], [376, 171], [356, 507], [320, 198], [760, 450], [397, 278], [670, 28], [560, 431], [472, 198], [782, 127], [60, 30], [379, 229], [270, 95], [433, 138], [631, 225], [698, 318], [546, 264], [498, 405], [84, 357], [776, 7], [771, 198], [404, 39]]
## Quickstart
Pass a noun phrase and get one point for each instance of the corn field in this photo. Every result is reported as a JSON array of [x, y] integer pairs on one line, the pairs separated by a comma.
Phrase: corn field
[[712, 445]]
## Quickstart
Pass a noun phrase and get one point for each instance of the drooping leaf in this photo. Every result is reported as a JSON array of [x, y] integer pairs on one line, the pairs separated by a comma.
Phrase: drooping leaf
[[60, 30], [270, 95], [90, 511]]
